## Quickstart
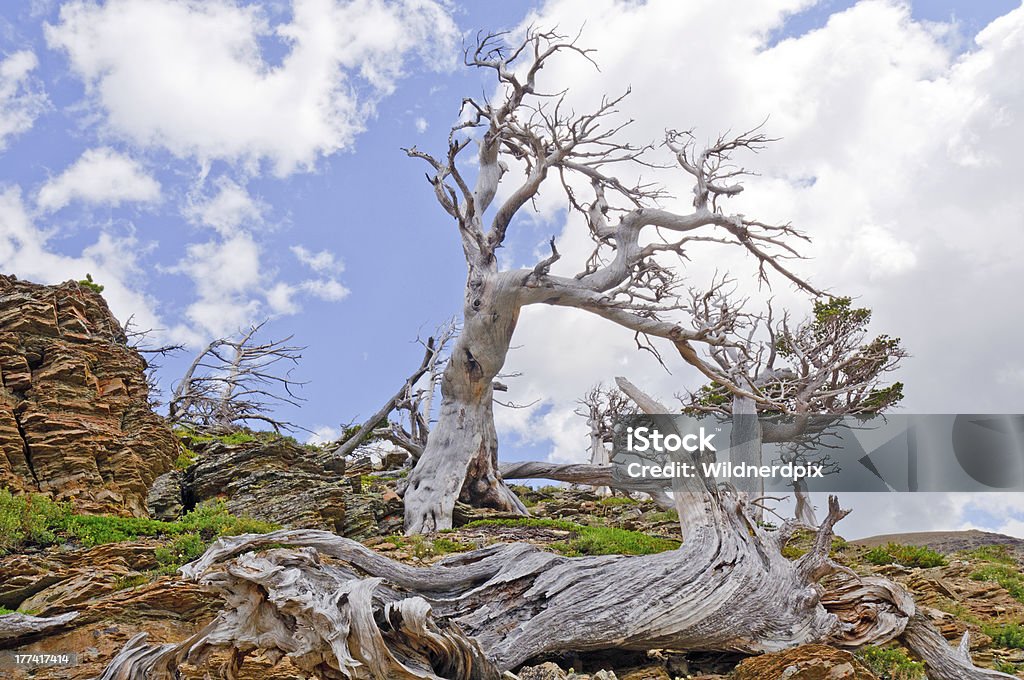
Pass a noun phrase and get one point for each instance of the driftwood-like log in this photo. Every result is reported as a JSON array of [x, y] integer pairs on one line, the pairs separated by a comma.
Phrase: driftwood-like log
[[340, 610], [17, 625], [592, 475]]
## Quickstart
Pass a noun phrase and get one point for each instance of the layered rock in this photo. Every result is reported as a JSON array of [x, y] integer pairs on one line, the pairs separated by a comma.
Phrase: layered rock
[[75, 418], [278, 481], [809, 662]]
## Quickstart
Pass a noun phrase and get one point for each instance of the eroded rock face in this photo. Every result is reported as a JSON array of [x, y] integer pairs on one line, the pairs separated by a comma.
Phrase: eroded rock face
[[279, 482], [75, 420], [809, 662]]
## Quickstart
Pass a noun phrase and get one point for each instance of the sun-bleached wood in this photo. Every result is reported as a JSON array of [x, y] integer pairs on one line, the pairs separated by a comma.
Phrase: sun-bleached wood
[[340, 610]]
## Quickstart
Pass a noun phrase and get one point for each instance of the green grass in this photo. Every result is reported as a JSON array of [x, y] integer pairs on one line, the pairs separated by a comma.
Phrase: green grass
[[957, 609], [618, 500], [1006, 635], [1006, 667], [28, 520], [802, 541], [35, 520], [588, 540], [239, 436], [422, 547], [663, 516], [1006, 576], [999, 554], [891, 663], [905, 555]]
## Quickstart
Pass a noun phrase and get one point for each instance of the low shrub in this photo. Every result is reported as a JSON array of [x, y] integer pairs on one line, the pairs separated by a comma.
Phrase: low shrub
[[28, 520], [589, 540], [905, 555], [1006, 576], [891, 663], [1006, 635]]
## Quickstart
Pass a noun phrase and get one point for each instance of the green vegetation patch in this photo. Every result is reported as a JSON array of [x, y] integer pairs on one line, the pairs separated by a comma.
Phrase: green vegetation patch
[[236, 437], [618, 500], [35, 520], [588, 540], [1006, 635], [891, 663], [802, 540], [905, 555], [1006, 576], [990, 553], [423, 547], [28, 520], [87, 282]]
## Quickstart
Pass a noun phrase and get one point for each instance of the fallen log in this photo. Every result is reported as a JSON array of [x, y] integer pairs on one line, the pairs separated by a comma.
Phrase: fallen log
[[340, 610], [591, 475]]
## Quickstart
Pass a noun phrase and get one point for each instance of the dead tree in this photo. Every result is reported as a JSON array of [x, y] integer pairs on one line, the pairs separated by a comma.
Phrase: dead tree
[[360, 615], [139, 340], [525, 137], [602, 407], [234, 381]]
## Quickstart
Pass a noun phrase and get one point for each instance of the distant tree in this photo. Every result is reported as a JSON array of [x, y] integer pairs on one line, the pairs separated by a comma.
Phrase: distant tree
[[827, 364], [602, 407], [234, 381]]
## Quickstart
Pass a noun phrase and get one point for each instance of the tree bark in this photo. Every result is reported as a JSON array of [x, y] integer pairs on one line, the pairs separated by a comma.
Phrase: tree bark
[[460, 461], [359, 615]]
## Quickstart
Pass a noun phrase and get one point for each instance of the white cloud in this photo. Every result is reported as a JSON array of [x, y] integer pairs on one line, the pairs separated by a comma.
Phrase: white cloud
[[323, 261], [234, 287], [325, 289], [280, 298], [323, 434], [191, 77], [226, 274], [112, 260], [421, 125], [229, 209], [99, 177], [899, 156], [20, 102]]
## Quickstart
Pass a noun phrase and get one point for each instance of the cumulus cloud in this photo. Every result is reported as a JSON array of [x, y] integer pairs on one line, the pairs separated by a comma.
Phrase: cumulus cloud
[[226, 274], [323, 434], [325, 289], [112, 260], [99, 177], [230, 208], [20, 101], [235, 286], [191, 76], [322, 261], [898, 156]]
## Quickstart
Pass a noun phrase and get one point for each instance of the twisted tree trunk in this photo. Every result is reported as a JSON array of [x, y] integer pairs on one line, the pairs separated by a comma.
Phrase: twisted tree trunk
[[460, 460], [339, 610]]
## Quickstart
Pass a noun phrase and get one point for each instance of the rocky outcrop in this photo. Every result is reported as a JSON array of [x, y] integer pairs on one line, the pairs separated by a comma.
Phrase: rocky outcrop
[[809, 662], [278, 481], [75, 418]]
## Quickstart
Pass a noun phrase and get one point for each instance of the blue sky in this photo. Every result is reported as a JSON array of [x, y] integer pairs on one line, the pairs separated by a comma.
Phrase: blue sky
[[223, 162]]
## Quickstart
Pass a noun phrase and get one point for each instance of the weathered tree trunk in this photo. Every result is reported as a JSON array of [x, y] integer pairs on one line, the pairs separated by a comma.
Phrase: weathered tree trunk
[[460, 461], [593, 475], [360, 615]]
